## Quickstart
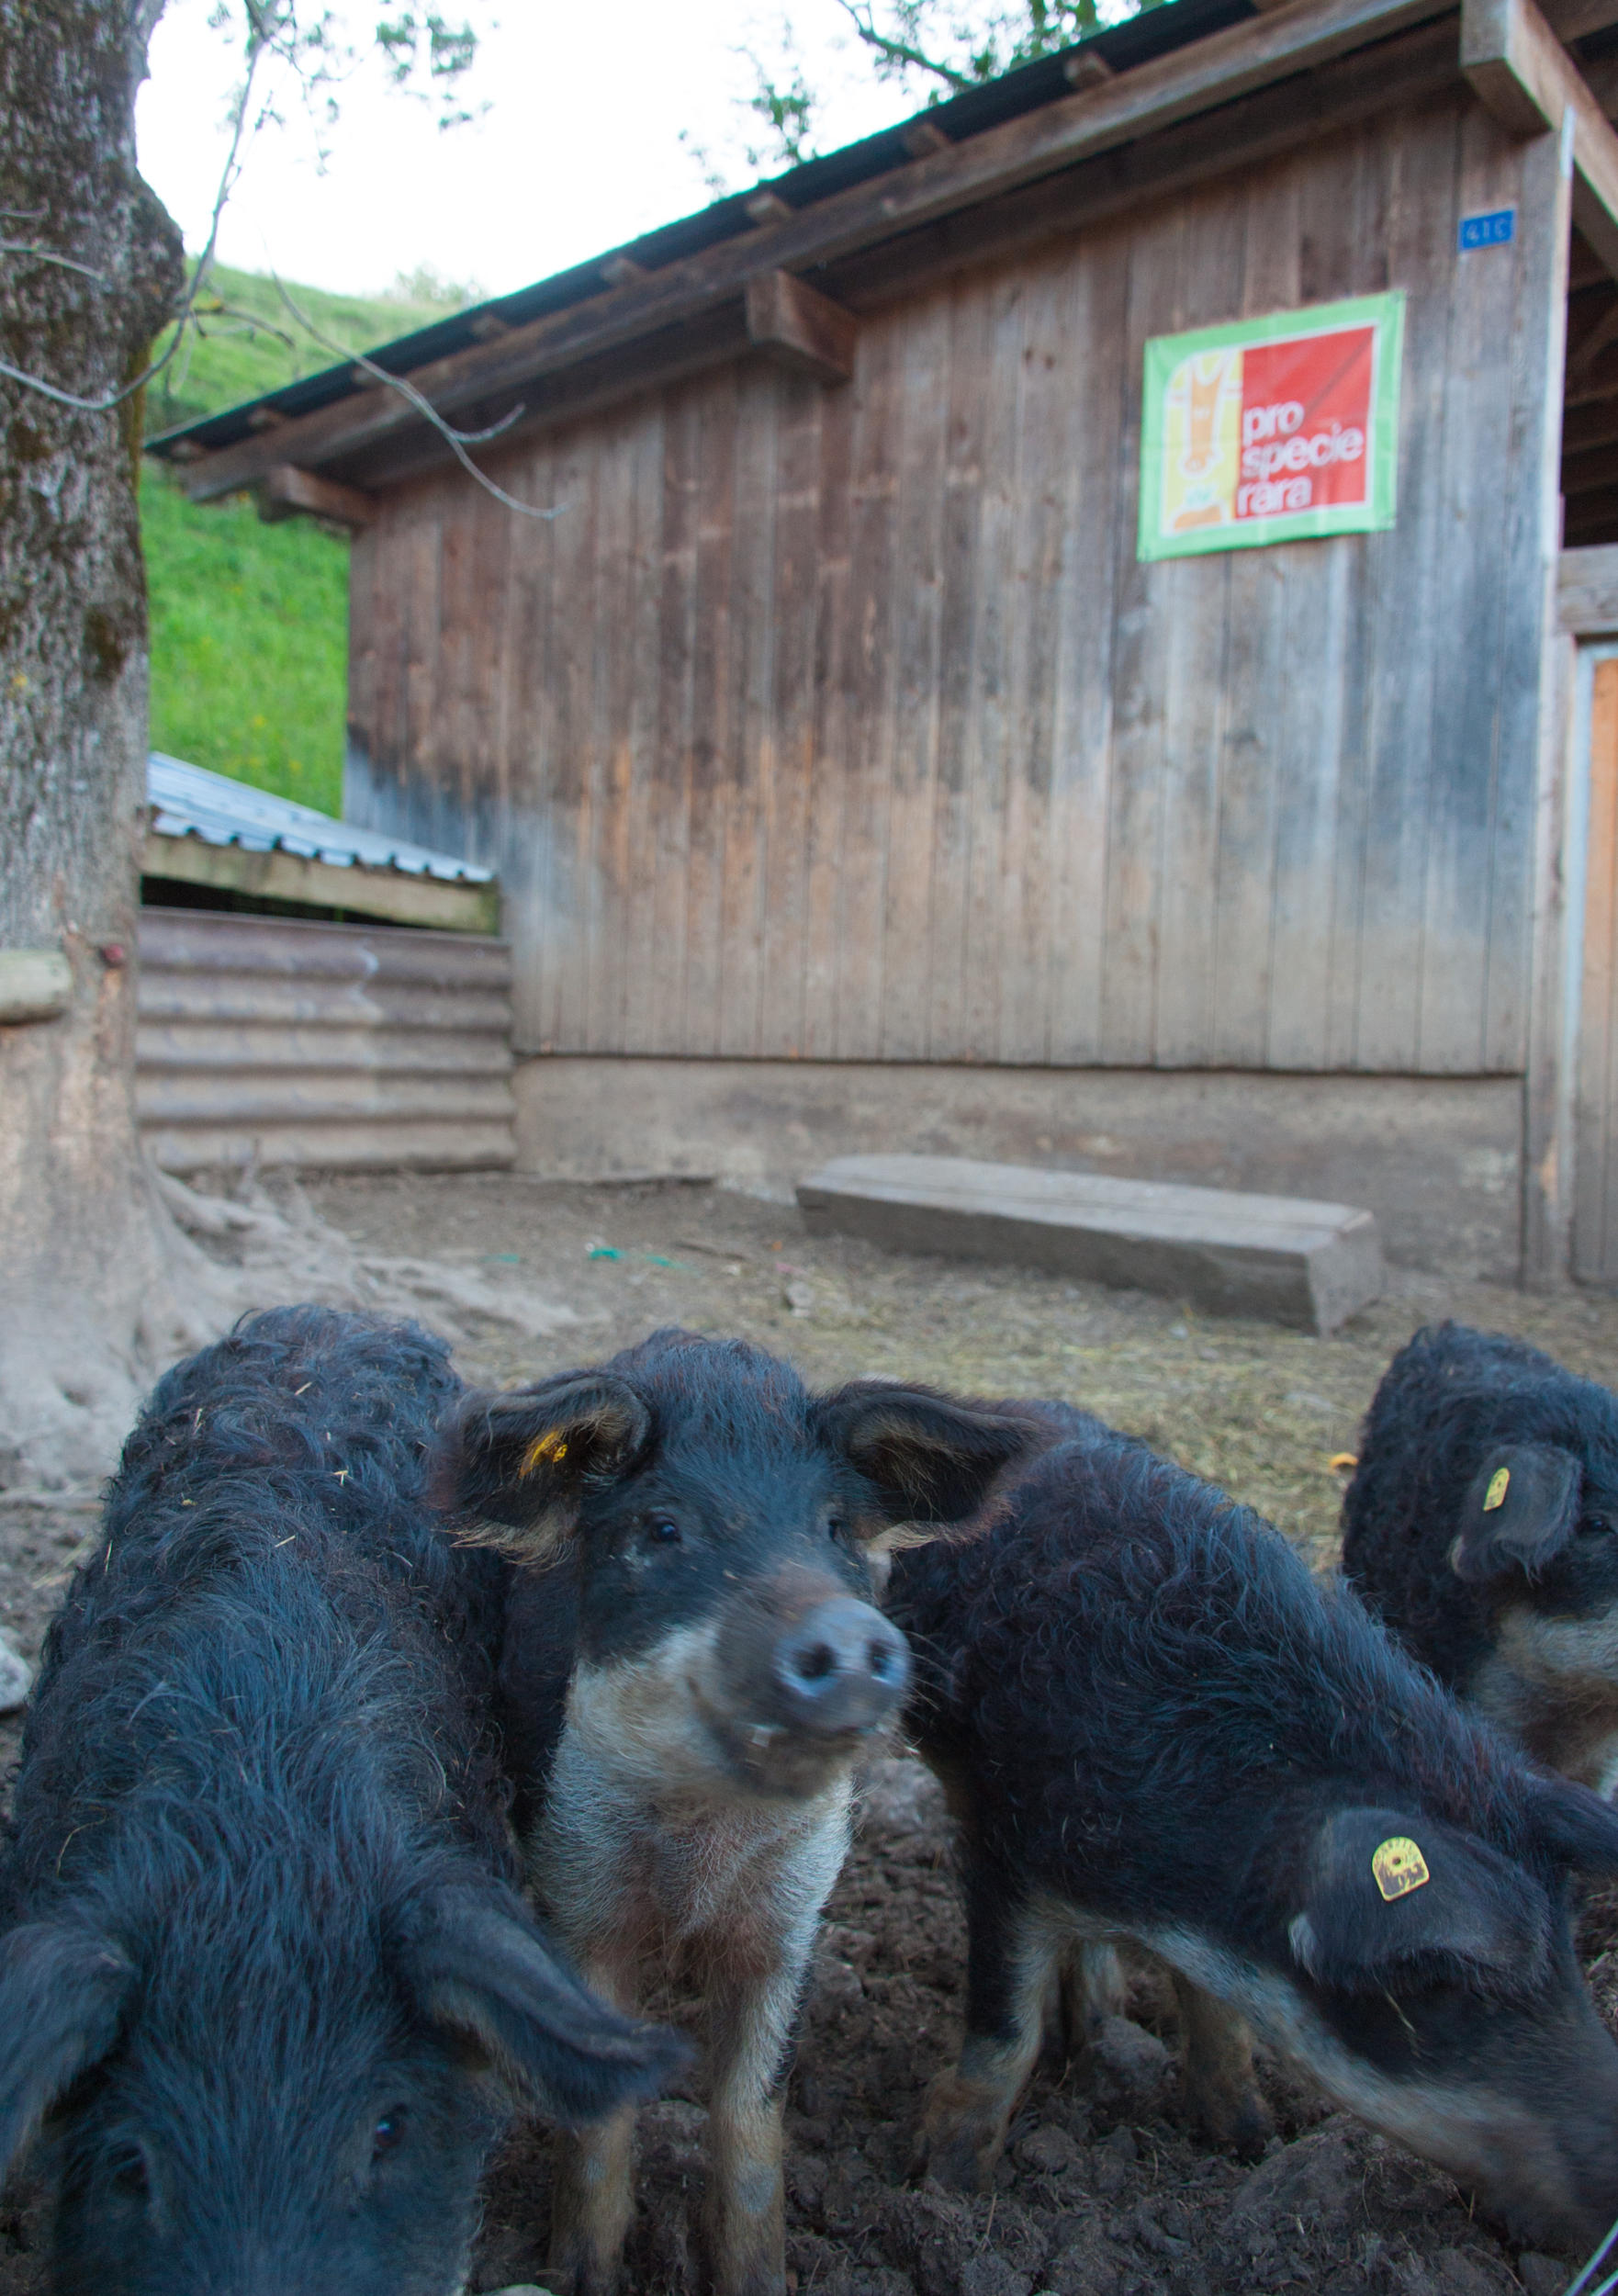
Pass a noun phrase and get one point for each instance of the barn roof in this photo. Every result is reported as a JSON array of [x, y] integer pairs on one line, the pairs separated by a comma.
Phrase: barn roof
[[220, 843], [189, 801], [1141, 108], [1156, 32]]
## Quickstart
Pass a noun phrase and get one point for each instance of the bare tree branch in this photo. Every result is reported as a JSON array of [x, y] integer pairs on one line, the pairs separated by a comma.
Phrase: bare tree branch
[[457, 441], [900, 53]]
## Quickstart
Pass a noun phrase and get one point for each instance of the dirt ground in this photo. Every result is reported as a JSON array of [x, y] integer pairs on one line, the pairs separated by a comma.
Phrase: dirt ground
[[1103, 2192]]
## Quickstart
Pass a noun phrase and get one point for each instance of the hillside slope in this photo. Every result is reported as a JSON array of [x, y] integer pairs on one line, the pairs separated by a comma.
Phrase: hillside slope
[[249, 621]]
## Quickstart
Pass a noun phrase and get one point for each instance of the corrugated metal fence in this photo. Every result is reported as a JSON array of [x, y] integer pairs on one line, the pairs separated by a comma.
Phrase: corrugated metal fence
[[303, 1043]]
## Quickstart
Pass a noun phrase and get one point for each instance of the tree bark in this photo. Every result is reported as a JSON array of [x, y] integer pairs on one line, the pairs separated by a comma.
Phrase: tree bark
[[88, 1302]]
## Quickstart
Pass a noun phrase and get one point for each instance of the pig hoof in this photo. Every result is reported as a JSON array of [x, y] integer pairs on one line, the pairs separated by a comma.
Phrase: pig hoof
[[956, 2166], [960, 2150], [1238, 2124]]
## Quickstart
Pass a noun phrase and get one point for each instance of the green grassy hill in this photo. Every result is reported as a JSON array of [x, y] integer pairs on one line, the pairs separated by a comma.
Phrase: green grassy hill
[[249, 621]]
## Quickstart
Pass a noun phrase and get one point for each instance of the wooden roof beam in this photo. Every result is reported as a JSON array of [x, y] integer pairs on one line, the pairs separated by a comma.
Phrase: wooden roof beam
[[1576, 19], [285, 491], [1592, 473], [1594, 424], [1181, 85], [278, 876], [1521, 71], [800, 328], [1583, 352], [922, 137], [1087, 68]]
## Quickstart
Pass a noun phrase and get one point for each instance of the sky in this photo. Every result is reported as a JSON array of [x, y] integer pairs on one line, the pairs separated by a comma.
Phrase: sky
[[579, 149]]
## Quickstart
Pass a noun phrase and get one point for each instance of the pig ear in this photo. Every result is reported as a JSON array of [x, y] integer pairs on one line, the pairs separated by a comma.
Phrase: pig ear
[[931, 1459], [521, 1460], [484, 1973], [1389, 1892], [1521, 1509], [61, 1997], [1576, 1827]]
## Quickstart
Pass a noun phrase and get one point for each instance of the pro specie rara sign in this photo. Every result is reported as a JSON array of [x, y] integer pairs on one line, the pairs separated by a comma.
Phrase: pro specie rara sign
[[1272, 429]]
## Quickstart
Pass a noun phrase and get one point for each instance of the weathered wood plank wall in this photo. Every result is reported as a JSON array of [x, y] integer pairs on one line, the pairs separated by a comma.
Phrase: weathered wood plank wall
[[845, 724]]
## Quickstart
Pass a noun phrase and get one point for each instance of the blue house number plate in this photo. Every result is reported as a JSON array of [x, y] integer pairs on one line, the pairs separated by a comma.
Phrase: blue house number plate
[[1488, 230]]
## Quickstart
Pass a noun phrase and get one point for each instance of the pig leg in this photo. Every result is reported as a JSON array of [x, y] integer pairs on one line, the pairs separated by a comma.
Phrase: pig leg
[[593, 2180], [750, 2019], [1090, 1986], [1220, 2089], [1013, 1950]]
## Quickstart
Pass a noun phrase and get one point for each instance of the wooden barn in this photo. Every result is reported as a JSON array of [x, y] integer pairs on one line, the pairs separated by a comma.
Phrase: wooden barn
[[1083, 628]]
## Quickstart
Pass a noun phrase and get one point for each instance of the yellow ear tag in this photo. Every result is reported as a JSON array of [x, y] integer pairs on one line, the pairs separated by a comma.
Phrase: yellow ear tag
[[1499, 1482], [1398, 1867], [548, 1447]]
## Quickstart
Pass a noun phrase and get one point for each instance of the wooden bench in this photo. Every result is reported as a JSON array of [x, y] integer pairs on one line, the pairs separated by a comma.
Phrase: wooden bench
[[1283, 1257]]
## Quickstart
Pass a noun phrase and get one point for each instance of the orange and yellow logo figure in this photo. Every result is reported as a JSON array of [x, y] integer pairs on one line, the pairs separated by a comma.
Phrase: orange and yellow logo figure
[[1202, 440]]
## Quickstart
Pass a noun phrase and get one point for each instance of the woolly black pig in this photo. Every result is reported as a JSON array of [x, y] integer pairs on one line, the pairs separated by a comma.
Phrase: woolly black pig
[[1153, 1725], [1482, 1525], [692, 1674], [265, 1978]]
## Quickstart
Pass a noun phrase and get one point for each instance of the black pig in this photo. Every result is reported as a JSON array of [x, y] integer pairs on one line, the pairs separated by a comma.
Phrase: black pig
[[691, 1673], [1155, 1727], [264, 1976], [1482, 1525]]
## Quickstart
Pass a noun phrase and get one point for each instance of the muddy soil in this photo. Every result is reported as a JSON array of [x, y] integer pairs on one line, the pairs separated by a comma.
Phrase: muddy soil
[[1103, 2191]]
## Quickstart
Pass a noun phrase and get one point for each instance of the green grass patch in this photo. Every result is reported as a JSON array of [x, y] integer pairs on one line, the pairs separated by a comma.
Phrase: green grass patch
[[249, 642], [250, 622]]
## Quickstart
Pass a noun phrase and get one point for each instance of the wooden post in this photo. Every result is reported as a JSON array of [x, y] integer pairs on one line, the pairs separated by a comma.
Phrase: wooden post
[[1547, 1096]]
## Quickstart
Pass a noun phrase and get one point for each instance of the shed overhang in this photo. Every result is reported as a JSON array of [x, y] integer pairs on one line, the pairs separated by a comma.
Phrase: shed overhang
[[789, 274]]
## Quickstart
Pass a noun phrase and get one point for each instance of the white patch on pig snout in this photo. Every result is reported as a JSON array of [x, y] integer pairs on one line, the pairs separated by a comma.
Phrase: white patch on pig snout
[[1552, 1684], [645, 1824]]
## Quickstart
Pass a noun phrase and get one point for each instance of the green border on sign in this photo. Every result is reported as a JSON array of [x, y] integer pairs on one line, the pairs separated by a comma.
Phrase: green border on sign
[[1165, 353]]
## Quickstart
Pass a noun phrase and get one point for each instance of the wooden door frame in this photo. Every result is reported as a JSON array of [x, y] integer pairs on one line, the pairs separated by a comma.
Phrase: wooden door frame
[[1580, 811]]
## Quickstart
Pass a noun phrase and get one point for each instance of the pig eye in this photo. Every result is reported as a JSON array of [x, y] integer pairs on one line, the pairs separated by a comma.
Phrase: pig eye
[[661, 1531], [388, 2132]]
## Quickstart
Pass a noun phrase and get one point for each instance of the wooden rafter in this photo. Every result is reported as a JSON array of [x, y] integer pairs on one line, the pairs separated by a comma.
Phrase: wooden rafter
[[285, 491], [800, 329], [1576, 19]]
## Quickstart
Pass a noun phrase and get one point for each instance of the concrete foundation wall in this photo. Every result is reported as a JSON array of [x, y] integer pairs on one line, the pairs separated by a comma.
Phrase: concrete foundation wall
[[1437, 1159]]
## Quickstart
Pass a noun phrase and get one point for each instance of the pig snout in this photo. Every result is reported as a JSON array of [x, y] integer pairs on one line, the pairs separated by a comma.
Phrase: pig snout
[[806, 1670], [841, 1667]]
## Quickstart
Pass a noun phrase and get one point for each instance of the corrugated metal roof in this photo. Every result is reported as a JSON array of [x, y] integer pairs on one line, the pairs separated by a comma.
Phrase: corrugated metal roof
[[189, 801], [1155, 31]]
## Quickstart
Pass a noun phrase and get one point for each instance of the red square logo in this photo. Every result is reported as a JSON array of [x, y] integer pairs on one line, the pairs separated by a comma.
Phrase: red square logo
[[1306, 420]]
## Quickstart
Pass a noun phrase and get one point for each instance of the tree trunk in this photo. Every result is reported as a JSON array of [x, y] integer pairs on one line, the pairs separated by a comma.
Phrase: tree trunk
[[87, 1262]]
